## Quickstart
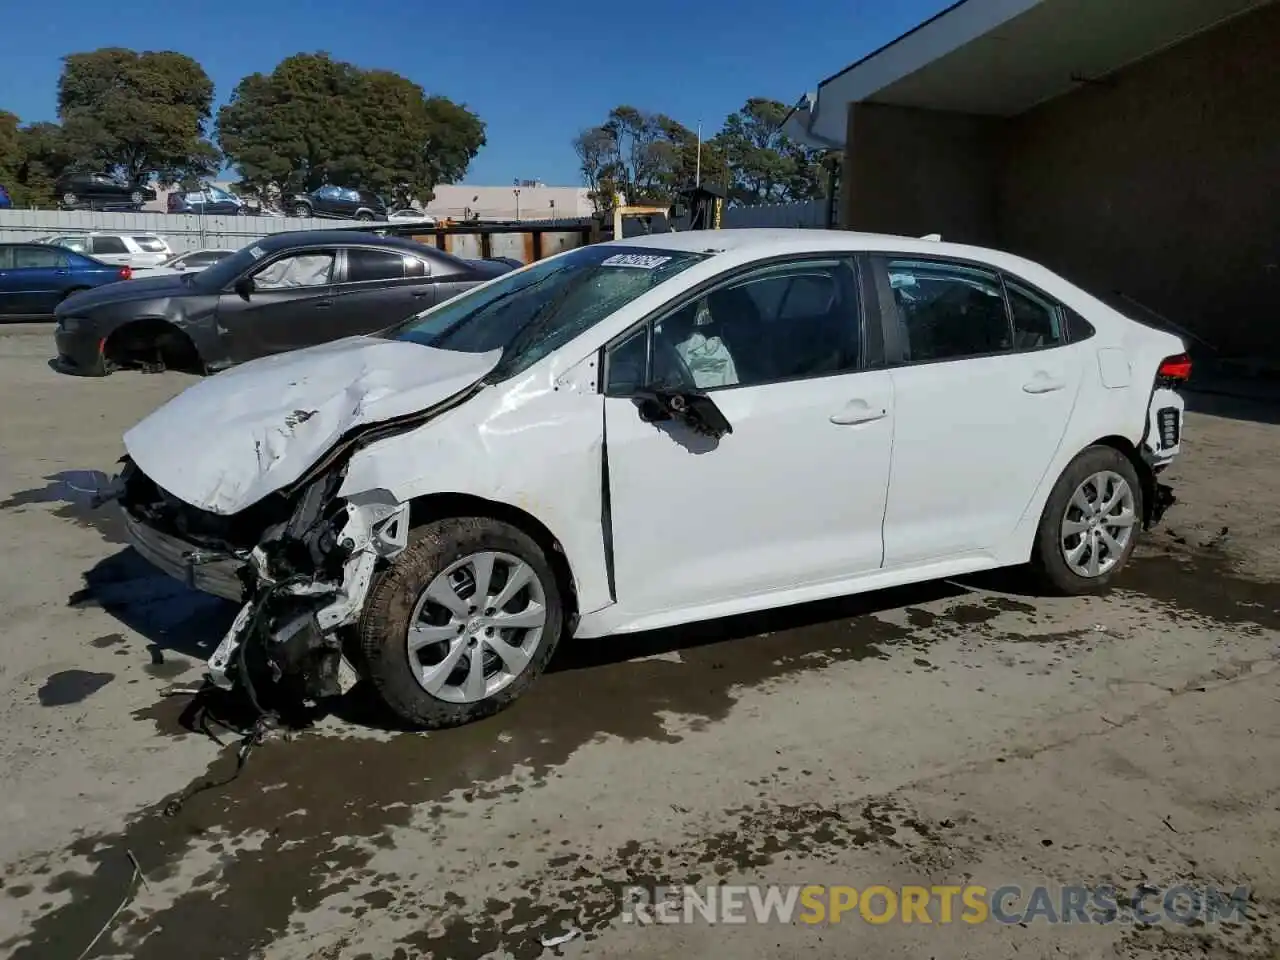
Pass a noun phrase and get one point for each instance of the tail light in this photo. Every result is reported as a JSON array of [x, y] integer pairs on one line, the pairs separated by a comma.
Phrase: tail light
[[1175, 369], [126, 273]]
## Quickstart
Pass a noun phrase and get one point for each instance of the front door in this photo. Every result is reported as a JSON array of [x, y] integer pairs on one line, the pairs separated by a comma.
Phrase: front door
[[984, 385], [32, 279], [290, 306], [795, 495]]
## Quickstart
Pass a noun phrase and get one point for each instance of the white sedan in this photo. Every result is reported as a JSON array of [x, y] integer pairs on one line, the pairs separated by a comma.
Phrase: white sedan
[[650, 432], [192, 261]]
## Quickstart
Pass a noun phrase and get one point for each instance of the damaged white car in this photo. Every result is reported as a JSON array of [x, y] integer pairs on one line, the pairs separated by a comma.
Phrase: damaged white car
[[646, 433]]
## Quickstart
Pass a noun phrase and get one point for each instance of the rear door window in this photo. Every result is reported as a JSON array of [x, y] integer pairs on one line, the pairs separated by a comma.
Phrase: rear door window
[[364, 264], [1037, 320], [108, 245], [151, 244], [947, 311]]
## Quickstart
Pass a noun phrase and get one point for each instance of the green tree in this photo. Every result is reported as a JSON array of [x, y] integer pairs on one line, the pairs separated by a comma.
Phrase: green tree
[[31, 158], [316, 120], [766, 165], [12, 151], [140, 115], [644, 157]]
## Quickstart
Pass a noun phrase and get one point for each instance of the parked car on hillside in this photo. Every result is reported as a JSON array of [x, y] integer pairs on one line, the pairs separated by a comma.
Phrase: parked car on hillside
[[95, 191], [341, 203], [207, 200], [189, 262], [286, 291], [5, 202], [645, 433], [137, 250], [35, 278]]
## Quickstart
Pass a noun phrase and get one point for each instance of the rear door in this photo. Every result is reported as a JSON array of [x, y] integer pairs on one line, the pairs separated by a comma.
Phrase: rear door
[[378, 287], [288, 308], [984, 386]]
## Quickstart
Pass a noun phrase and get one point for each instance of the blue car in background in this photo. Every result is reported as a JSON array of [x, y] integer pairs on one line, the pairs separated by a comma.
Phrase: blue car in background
[[208, 200], [35, 278], [5, 202]]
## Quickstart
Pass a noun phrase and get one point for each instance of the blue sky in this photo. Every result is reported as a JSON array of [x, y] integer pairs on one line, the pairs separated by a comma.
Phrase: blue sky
[[537, 71]]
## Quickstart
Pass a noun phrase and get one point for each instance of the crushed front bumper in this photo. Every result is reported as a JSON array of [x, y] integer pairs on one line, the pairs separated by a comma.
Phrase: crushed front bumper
[[217, 573]]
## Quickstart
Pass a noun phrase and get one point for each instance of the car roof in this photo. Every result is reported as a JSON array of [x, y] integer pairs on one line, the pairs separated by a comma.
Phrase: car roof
[[763, 242], [346, 238]]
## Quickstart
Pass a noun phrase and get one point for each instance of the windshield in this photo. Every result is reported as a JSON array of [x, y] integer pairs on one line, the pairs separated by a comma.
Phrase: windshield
[[533, 312]]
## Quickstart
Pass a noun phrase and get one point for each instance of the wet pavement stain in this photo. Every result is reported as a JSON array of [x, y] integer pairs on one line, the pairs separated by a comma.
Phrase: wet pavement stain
[[1202, 583], [75, 491], [354, 790], [107, 640], [589, 892], [71, 686]]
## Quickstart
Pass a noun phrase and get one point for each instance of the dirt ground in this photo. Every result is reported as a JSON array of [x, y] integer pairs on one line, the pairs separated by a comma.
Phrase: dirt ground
[[948, 734]]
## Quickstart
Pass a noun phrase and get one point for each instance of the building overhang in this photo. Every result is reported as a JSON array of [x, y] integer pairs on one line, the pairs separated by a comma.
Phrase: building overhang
[[1002, 57]]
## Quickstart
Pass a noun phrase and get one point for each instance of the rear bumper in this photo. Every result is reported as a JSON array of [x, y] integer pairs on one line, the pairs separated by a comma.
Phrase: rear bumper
[[215, 574]]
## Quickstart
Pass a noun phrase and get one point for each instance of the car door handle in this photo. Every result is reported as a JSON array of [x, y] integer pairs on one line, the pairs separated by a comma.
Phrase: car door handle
[[62, 273], [859, 411], [321, 304], [1044, 383], [421, 293]]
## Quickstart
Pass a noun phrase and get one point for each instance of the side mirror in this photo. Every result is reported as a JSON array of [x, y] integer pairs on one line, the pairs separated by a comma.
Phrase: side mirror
[[244, 287], [695, 410]]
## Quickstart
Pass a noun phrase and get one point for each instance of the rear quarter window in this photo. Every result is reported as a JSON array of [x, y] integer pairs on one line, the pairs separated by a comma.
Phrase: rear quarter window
[[150, 244]]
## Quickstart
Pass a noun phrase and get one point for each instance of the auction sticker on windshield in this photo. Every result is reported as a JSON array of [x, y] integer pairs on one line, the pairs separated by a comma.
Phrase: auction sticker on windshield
[[639, 261]]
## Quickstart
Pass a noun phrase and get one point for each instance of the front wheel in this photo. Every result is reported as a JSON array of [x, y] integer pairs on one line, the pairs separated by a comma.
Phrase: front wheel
[[300, 210], [461, 623], [1090, 524], [364, 216]]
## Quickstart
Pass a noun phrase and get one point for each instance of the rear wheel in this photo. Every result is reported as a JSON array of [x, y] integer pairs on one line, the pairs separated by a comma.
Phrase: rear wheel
[[300, 210], [462, 623], [1091, 523], [364, 216], [68, 199]]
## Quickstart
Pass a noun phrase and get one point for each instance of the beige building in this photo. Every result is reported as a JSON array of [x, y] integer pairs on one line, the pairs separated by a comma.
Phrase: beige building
[[531, 200], [1132, 146]]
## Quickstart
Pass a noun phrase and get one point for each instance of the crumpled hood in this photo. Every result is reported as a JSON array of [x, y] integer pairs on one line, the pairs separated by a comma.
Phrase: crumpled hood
[[231, 439]]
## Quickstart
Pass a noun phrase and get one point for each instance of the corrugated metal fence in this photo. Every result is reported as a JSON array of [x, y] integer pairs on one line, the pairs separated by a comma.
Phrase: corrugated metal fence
[[806, 213], [184, 232]]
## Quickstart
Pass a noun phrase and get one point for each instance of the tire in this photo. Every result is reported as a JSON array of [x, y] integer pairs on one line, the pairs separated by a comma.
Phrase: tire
[[68, 199], [364, 216], [1048, 557], [136, 198], [396, 599], [300, 210]]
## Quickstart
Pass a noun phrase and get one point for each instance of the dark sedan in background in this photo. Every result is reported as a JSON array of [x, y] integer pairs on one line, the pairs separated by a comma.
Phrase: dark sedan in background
[[96, 191], [341, 203], [287, 291], [35, 278]]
